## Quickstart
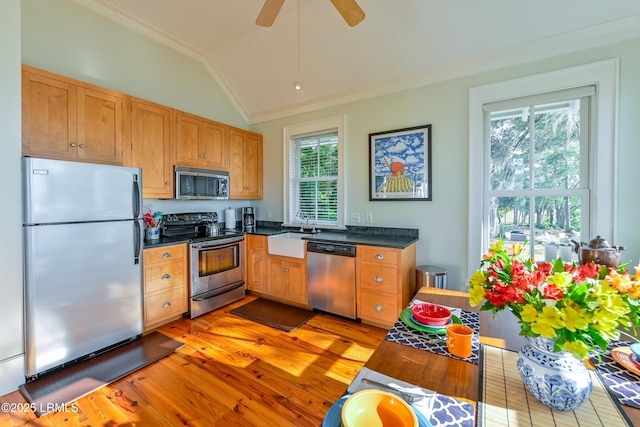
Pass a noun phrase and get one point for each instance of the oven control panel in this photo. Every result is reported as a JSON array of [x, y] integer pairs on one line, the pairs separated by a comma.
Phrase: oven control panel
[[190, 218]]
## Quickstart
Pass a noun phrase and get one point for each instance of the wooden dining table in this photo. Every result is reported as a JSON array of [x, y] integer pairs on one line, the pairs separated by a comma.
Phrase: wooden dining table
[[447, 375]]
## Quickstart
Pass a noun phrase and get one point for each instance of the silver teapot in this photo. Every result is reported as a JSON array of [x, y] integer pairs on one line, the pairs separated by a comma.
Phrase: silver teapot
[[212, 229], [599, 251]]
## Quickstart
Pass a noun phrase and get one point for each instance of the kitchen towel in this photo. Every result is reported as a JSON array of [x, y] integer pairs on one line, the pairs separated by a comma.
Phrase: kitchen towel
[[230, 219], [439, 409]]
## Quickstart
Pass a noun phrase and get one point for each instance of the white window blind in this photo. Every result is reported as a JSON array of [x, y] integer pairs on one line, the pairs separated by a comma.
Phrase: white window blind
[[313, 177]]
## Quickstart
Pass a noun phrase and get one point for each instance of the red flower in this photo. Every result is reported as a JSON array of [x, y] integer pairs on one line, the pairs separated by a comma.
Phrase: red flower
[[585, 271], [552, 292]]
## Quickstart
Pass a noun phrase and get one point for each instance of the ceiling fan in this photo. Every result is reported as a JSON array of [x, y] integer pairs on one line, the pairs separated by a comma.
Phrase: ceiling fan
[[349, 9]]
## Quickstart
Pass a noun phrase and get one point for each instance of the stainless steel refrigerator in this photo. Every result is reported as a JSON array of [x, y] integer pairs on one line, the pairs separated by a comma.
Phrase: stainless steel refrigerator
[[83, 260]]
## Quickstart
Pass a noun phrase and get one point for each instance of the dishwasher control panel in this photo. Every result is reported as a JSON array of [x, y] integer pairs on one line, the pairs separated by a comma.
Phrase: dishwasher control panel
[[332, 248]]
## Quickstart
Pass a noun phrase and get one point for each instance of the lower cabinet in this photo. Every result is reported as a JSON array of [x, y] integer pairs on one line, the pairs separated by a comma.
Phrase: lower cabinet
[[385, 282], [256, 247], [165, 284], [287, 278]]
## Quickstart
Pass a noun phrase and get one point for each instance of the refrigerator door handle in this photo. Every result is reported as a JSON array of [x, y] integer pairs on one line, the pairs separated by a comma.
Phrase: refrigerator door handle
[[136, 242], [136, 197]]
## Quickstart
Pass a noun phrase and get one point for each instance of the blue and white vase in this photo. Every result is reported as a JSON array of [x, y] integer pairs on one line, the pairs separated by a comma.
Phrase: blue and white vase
[[557, 379]]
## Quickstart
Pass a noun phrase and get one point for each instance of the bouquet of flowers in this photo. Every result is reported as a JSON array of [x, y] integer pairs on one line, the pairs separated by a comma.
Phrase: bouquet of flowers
[[579, 307]]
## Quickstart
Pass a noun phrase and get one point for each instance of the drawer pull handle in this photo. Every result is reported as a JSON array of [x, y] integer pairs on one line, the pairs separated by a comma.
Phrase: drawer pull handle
[[166, 304], [378, 279], [378, 307], [73, 144], [379, 256], [166, 255], [166, 277]]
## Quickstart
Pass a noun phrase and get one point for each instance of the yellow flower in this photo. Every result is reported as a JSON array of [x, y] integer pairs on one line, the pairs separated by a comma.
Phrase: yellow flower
[[528, 314], [476, 288], [547, 322], [561, 280], [516, 248], [575, 317], [577, 348]]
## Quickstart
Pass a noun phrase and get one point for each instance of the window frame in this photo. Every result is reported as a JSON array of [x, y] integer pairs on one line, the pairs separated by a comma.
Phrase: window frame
[[290, 132], [532, 192], [603, 145]]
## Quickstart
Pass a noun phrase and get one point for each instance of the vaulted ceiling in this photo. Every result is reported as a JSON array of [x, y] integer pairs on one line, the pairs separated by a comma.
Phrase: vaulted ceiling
[[399, 45]]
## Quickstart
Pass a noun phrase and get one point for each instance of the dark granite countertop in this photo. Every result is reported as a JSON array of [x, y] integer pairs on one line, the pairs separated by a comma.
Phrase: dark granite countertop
[[399, 238], [165, 241], [373, 236]]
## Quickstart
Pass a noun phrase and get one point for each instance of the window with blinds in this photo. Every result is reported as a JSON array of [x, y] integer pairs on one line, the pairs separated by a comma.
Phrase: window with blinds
[[313, 178]]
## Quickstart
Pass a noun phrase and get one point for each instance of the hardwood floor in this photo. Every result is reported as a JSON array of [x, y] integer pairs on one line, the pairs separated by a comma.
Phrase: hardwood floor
[[231, 372]]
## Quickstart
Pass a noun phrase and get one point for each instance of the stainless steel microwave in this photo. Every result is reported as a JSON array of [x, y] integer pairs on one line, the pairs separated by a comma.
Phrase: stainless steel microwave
[[201, 184]]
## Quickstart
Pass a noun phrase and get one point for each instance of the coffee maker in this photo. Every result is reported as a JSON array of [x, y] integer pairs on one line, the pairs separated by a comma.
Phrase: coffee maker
[[249, 219]]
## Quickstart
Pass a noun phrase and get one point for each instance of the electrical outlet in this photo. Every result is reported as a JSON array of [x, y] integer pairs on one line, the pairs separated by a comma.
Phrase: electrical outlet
[[355, 217], [369, 217], [269, 214]]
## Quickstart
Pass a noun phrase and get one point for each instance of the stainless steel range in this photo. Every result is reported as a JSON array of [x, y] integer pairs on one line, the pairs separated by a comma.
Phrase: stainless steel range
[[216, 264]]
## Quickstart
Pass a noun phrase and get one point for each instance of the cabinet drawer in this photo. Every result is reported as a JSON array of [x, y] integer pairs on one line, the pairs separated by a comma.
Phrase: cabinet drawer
[[256, 242], [164, 254], [379, 277], [164, 276], [380, 308], [164, 305], [378, 254]]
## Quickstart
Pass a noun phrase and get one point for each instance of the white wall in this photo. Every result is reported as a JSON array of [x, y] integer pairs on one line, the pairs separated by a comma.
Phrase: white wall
[[11, 300], [443, 222]]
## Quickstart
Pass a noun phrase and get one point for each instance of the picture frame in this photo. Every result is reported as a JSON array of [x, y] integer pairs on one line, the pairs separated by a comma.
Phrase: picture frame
[[400, 164]]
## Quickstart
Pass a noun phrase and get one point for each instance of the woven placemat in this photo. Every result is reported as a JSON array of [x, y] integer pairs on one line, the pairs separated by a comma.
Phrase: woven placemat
[[504, 400]]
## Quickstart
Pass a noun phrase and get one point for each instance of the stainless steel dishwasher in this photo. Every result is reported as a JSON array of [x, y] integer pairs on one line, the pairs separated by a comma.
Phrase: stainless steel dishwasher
[[332, 278]]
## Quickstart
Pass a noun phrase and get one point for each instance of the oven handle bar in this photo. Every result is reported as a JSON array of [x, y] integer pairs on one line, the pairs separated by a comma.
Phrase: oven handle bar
[[217, 243], [215, 292]]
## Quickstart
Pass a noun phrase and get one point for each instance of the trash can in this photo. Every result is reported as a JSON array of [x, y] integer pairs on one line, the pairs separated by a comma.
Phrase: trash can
[[432, 276]]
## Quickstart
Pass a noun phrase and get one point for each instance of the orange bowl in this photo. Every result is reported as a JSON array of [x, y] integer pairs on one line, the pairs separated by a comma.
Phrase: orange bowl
[[431, 314], [372, 407]]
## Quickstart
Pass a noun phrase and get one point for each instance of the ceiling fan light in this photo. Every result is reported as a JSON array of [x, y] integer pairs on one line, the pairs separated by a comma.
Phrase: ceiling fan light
[[297, 86]]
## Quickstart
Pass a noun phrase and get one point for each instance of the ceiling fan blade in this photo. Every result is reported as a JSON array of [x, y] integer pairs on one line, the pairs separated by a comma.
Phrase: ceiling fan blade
[[350, 11], [269, 12]]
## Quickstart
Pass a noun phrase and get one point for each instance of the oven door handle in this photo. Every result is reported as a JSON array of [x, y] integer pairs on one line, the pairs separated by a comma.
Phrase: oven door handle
[[221, 243]]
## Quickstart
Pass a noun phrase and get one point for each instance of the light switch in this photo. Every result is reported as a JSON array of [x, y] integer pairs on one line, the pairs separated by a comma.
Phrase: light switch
[[355, 217]]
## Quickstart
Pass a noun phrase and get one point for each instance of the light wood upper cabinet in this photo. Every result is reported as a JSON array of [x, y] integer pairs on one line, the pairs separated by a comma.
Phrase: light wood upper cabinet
[[201, 143], [153, 147], [245, 171], [70, 120]]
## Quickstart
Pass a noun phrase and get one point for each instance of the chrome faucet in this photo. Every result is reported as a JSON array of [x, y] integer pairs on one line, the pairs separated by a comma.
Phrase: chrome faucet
[[304, 222]]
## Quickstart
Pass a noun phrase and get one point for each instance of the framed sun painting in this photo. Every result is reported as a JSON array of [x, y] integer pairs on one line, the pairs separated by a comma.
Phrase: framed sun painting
[[400, 164]]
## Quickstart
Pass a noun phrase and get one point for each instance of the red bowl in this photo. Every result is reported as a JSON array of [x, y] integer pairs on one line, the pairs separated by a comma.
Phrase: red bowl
[[431, 314]]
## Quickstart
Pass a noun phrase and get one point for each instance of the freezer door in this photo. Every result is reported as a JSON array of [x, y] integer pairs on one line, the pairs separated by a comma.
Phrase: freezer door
[[83, 290], [58, 191]]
